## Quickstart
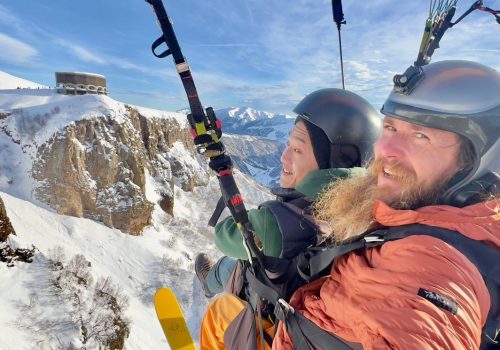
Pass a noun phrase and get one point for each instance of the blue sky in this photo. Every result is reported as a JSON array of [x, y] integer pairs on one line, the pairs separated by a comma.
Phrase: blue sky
[[266, 54]]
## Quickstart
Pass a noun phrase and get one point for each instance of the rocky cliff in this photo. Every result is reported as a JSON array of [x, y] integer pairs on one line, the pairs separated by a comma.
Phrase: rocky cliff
[[97, 163], [96, 168]]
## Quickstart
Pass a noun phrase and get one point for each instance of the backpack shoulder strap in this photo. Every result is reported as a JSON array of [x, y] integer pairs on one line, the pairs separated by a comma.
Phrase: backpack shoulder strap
[[311, 263], [482, 255], [297, 226]]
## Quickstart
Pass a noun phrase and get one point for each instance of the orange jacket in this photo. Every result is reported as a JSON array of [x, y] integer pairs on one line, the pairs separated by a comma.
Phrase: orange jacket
[[371, 296]]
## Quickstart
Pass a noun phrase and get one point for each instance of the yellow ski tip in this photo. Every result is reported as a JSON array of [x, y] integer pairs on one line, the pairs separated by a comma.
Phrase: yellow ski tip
[[172, 320]]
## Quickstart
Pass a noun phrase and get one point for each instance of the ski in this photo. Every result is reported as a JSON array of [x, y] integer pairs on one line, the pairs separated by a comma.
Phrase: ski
[[172, 320]]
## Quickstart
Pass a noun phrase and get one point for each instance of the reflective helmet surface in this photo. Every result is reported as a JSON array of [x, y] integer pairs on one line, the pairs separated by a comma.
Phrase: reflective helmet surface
[[345, 118], [462, 97]]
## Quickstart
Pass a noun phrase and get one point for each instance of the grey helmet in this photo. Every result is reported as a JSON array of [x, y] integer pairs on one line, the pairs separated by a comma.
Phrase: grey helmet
[[462, 97], [347, 119]]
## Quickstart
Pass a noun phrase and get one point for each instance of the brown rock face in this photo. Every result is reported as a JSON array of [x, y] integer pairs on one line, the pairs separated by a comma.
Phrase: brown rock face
[[96, 168], [5, 226]]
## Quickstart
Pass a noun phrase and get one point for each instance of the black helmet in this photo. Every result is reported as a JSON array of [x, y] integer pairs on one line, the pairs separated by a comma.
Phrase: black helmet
[[462, 97], [351, 124]]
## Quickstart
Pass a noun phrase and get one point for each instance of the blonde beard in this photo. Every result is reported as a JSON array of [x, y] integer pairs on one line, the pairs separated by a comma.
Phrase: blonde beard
[[347, 207], [344, 210]]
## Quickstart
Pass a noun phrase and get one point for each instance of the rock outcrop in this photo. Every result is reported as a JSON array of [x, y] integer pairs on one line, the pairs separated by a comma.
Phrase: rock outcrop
[[5, 225], [97, 167]]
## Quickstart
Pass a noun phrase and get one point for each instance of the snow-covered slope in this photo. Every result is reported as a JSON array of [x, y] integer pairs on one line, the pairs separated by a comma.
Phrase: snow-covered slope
[[35, 313], [256, 156], [8, 81], [260, 141], [34, 316], [40, 114]]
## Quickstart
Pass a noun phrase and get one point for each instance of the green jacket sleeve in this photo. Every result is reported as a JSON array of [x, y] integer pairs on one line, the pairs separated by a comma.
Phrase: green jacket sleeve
[[229, 240]]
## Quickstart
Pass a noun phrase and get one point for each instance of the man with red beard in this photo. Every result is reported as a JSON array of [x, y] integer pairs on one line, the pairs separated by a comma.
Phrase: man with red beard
[[435, 164]]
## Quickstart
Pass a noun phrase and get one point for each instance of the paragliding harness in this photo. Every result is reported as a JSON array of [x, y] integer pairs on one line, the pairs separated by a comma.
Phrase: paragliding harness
[[316, 262], [263, 273], [206, 131], [205, 128], [299, 231], [293, 214]]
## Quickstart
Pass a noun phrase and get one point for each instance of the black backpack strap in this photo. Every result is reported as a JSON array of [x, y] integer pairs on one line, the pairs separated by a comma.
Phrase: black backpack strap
[[262, 286], [311, 263], [486, 258], [297, 227], [219, 208], [306, 335], [491, 332]]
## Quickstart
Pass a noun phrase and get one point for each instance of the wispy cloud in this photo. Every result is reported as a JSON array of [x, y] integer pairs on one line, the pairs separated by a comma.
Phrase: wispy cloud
[[16, 51], [8, 18], [80, 52], [23, 54], [93, 56], [288, 49], [265, 54]]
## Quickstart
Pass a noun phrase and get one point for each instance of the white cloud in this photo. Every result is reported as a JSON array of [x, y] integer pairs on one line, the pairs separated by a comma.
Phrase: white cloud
[[6, 17], [361, 70], [15, 51], [90, 55], [81, 52]]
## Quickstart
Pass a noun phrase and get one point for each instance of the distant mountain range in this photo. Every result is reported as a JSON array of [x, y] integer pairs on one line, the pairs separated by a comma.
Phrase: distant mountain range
[[248, 121], [255, 140]]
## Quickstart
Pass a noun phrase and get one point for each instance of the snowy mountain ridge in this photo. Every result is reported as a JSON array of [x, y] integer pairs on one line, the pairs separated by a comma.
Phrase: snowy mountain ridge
[[248, 121], [8, 81]]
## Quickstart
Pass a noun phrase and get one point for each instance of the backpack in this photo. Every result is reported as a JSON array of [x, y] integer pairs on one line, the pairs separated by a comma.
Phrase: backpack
[[316, 261], [292, 211]]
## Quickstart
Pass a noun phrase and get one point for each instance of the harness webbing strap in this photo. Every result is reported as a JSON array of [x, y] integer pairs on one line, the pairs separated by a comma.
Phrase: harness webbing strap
[[306, 335], [312, 262], [315, 260], [206, 130], [219, 208]]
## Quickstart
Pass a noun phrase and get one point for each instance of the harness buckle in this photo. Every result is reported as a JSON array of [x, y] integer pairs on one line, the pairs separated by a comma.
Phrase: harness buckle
[[287, 307], [282, 309], [373, 240]]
